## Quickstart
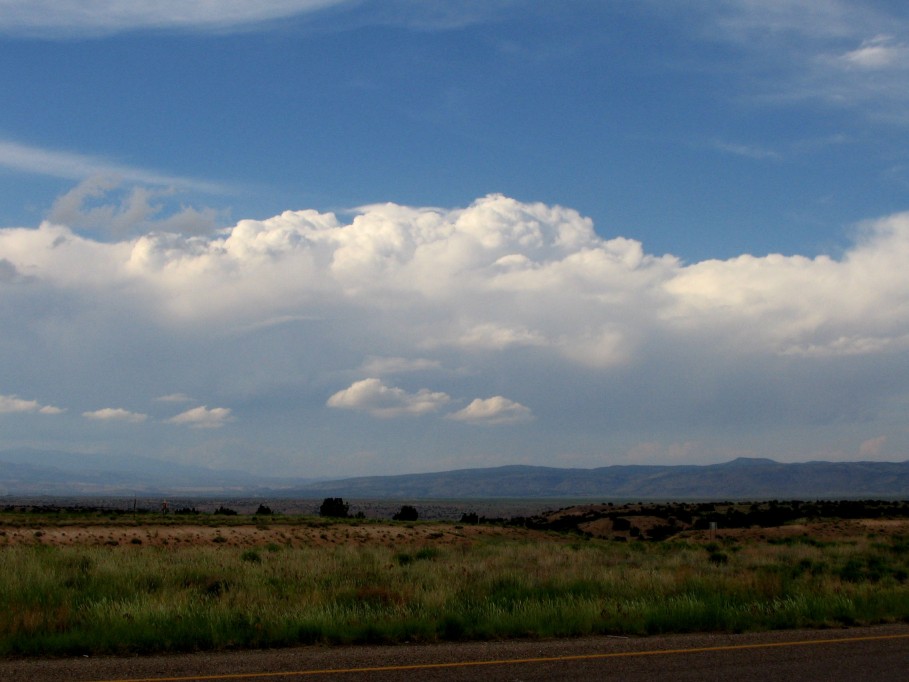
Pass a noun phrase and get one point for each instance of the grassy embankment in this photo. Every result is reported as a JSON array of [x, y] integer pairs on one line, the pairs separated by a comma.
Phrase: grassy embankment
[[140, 598]]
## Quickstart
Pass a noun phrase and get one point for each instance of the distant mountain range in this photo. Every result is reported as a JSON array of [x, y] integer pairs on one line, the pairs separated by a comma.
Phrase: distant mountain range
[[33, 472], [742, 478]]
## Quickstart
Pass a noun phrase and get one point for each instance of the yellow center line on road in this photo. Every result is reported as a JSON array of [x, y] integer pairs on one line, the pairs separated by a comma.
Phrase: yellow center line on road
[[512, 661]]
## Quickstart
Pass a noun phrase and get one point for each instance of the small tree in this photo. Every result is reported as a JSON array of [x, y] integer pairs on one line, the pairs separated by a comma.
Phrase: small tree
[[335, 507], [407, 513], [264, 511]]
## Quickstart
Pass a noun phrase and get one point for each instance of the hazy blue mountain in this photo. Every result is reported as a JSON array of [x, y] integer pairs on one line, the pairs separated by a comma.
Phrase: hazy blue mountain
[[740, 478], [25, 471]]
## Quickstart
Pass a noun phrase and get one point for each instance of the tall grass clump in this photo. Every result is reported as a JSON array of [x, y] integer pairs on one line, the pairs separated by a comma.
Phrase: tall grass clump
[[140, 598]]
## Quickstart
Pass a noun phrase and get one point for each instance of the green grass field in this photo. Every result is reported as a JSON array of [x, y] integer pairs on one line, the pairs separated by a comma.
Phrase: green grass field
[[57, 600]]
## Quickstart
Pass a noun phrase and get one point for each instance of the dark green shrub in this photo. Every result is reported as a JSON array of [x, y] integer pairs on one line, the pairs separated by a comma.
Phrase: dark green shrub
[[334, 507], [407, 513]]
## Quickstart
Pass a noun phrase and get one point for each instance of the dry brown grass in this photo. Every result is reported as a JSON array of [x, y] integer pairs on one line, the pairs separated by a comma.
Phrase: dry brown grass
[[189, 534]]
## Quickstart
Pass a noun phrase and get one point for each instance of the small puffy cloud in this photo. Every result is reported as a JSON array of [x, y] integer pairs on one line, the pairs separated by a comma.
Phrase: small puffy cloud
[[203, 418], [372, 396], [116, 414], [493, 411], [11, 404]]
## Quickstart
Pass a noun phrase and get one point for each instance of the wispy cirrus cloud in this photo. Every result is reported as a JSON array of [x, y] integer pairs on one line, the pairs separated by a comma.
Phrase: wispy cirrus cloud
[[881, 52], [76, 18], [74, 166], [843, 54]]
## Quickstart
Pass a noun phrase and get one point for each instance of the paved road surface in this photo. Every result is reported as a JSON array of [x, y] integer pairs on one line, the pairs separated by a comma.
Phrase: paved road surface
[[880, 654]]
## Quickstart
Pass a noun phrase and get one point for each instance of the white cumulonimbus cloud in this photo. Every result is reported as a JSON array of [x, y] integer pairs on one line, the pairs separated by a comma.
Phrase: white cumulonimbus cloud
[[372, 396], [10, 404], [494, 277], [499, 298], [493, 412], [203, 418], [116, 414]]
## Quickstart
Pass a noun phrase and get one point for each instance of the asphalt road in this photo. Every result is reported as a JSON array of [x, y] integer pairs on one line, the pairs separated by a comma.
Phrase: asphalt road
[[880, 654]]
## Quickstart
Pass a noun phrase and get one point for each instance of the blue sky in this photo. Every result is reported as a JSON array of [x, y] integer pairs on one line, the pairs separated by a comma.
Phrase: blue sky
[[342, 237]]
